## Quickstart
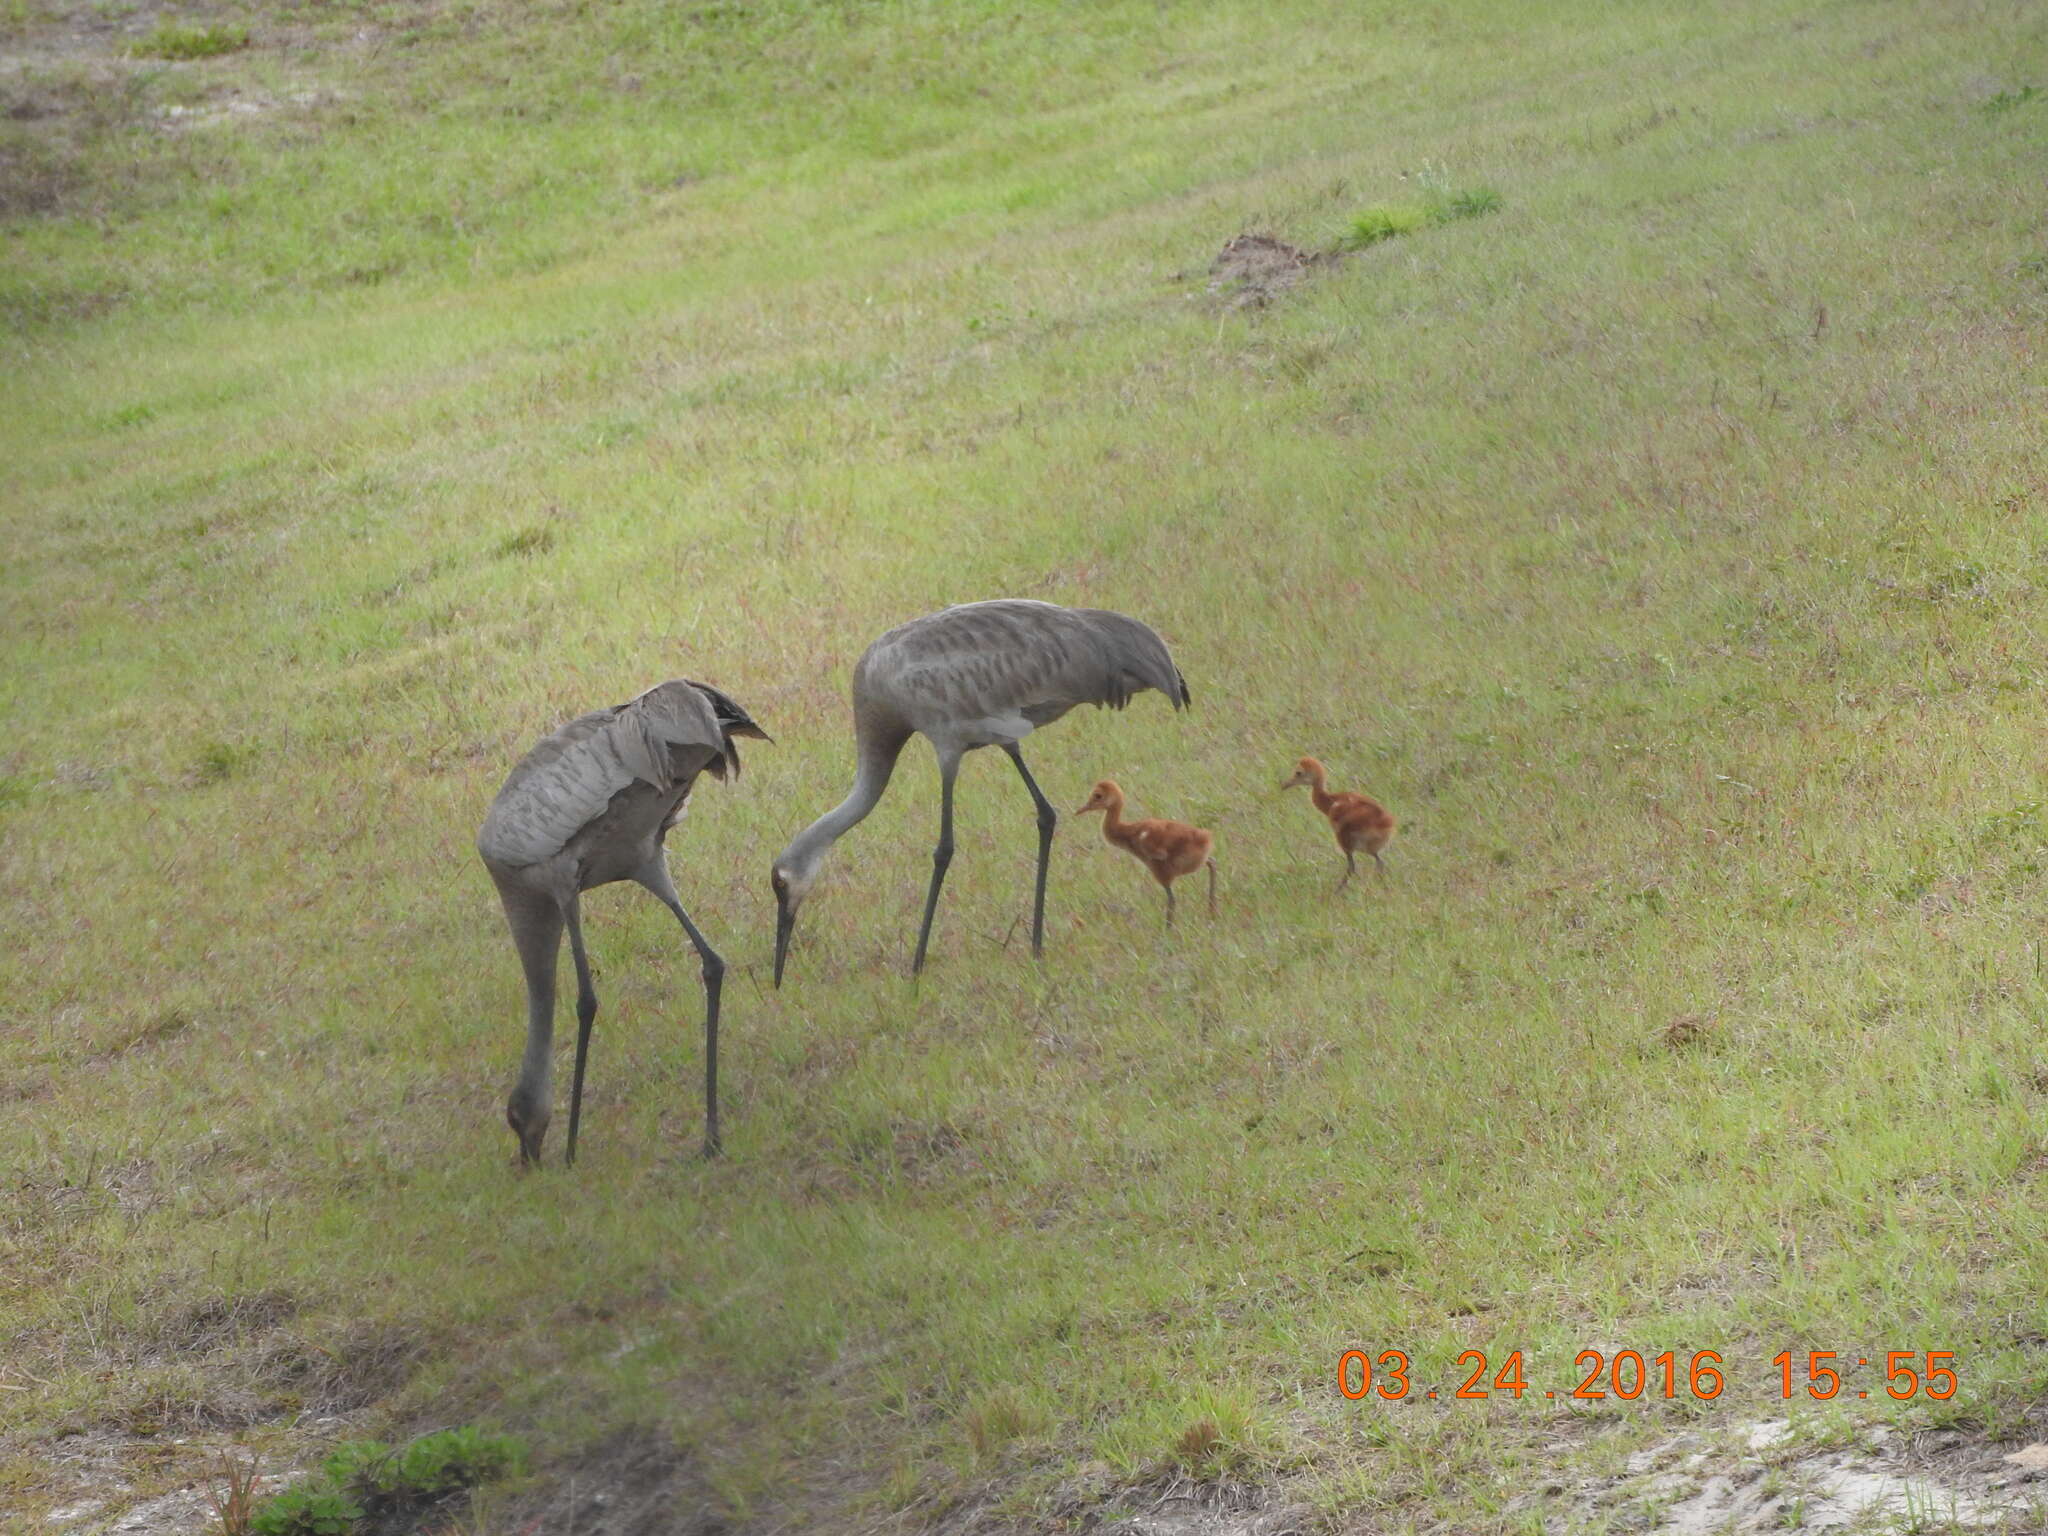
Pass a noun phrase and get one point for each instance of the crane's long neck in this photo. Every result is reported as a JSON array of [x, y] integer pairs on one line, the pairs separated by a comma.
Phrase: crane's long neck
[[1113, 818], [1319, 790], [877, 752]]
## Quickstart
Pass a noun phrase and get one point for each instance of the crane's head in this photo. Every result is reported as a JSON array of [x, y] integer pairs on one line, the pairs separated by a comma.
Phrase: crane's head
[[527, 1114], [1104, 795], [1307, 771], [793, 876]]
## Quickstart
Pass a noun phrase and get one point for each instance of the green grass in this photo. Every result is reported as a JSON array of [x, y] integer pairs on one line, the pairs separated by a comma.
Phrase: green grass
[[182, 40], [1440, 202], [1665, 549], [1385, 221]]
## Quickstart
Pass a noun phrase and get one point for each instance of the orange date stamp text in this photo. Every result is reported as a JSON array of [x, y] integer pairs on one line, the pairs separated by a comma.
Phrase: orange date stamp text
[[1628, 1374]]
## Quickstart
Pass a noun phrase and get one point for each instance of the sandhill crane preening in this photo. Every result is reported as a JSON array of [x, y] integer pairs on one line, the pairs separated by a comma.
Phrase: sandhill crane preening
[[1361, 823], [590, 805], [1169, 849], [975, 675]]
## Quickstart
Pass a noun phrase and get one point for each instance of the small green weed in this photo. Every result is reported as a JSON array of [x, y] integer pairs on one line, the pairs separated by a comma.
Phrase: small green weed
[[311, 1509], [355, 1461], [430, 1468], [181, 40], [2005, 101], [367, 1479]]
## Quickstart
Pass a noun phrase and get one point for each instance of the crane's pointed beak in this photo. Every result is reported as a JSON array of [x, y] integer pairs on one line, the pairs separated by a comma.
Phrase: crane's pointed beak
[[785, 925], [530, 1138]]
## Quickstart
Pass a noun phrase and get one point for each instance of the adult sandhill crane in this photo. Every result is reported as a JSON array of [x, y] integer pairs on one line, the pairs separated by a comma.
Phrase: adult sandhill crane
[[975, 675], [1169, 849], [590, 805], [1359, 821]]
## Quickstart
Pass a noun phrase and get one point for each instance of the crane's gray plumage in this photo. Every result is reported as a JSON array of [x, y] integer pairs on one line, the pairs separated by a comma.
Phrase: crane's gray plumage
[[591, 804], [975, 675]]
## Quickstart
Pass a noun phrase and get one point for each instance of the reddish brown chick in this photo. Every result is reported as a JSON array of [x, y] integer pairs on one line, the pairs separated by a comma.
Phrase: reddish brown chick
[[1361, 823], [1169, 849]]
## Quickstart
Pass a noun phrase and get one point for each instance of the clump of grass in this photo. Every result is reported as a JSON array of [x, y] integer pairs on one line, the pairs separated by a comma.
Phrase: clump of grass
[[1384, 221], [1198, 1445], [999, 1417], [1440, 203], [537, 540], [1223, 1433], [1689, 1029], [233, 1497], [2005, 101], [1468, 203], [188, 40], [219, 761]]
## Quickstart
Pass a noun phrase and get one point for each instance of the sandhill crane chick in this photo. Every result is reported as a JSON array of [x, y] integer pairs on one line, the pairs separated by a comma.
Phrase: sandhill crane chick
[[1169, 849], [1361, 823]]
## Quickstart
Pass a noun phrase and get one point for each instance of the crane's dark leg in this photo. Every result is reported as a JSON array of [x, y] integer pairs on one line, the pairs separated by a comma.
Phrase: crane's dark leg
[[1350, 868], [942, 855], [586, 1015], [657, 880], [1212, 887], [1048, 818], [1169, 906], [1381, 863]]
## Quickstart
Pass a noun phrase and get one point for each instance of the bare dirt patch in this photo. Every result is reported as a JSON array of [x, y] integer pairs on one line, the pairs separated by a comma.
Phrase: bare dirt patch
[[1184, 1507], [632, 1482], [95, 1477], [1770, 1476], [1253, 270]]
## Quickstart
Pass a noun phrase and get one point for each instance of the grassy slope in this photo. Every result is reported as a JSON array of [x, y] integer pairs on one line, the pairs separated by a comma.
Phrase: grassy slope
[[1695, 641]]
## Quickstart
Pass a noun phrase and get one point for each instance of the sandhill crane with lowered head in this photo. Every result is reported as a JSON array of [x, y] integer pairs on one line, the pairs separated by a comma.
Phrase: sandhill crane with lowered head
[[589, 805], [974, 675]]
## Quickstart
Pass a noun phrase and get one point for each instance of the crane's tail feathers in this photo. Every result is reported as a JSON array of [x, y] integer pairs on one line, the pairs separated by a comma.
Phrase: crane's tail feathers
[[1185, 698], [733, 721]]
